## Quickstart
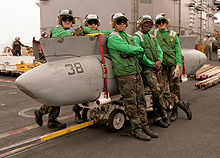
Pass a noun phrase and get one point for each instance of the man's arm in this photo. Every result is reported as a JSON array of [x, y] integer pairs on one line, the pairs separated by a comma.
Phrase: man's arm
[[142, 58], [145, 61], [116, 43], [178, 51], [58, 32], [22, 44], [160, 51]]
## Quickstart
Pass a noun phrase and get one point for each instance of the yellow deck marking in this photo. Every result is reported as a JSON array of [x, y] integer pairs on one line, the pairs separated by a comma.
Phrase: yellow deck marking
[[66, 130]]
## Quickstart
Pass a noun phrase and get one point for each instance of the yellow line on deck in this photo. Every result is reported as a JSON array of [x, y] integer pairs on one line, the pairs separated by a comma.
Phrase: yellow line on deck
[[66, 130]]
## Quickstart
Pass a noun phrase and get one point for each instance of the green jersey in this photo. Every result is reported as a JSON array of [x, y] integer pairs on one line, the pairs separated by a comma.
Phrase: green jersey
[[123, 53], [170, 44]]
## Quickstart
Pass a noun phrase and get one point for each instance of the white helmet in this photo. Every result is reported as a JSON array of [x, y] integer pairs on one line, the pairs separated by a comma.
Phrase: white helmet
[[118, 15], [66, 14], [91, 18], [142, 18], [161, 18], [117, 18], [17, 38]]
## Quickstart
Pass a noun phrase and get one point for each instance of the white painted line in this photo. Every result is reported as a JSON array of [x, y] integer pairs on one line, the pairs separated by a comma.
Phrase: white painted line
[[23, 145], [12, 93], [22, 112], [2, 104], [31, 140]]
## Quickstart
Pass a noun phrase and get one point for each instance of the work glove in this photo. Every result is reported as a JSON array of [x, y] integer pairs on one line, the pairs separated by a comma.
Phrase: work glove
[[79, 31], [157, 65], [177, 72]]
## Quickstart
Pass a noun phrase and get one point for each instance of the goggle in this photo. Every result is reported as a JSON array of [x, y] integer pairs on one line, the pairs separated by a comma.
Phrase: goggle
[[67, 18], [93, 21], [119, 21], [148, 24], [163, 21]]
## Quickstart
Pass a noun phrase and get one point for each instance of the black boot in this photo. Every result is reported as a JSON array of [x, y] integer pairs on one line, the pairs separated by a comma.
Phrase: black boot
[[38, 117], [52, 123], [160, 123], [150, 133], [174, 114], [141, 135], [78, 117], [185, 107], [166, 120]]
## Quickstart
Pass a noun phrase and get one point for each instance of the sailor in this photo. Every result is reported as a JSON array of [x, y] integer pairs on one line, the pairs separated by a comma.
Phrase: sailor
[[208, 47], [16, 47], [171, 66], [64, 28], [44, 35], [54, 112], [42, 58], [93, 22], [65, 25], [151, 65], [126, 70]]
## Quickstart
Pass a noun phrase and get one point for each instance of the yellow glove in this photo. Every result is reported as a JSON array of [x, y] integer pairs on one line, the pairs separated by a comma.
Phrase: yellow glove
[[177, 72]]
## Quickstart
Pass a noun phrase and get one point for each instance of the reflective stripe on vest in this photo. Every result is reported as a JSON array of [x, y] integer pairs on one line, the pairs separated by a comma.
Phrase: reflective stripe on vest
[[118, 34], [139, 34]]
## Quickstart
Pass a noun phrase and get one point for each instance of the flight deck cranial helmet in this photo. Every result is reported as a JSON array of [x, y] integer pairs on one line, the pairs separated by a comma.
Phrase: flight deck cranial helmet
[[17, 38], [145, 20], [118, 18], [66, 14], [209, 35], [91, 19], [161, 18], [44, 34]]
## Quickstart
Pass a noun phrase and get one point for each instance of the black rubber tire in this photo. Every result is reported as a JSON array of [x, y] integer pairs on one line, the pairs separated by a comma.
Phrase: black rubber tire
[[112, 125]]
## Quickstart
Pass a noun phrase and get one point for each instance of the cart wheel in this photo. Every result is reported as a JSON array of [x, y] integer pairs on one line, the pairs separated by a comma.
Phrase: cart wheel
[[116, 120]]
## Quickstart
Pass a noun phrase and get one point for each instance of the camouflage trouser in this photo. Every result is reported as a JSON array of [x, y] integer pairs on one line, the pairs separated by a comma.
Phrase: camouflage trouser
[[152, 80], [132, 90], [208, 52], [53, 111], [76, 107], [171, 87], [17, 53]]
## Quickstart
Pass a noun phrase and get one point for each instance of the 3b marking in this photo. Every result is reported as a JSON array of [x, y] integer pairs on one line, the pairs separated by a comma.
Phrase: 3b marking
[[74, 68]]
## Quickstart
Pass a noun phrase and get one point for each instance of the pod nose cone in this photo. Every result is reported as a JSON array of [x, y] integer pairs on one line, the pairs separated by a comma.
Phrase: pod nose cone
[[25, 84]]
